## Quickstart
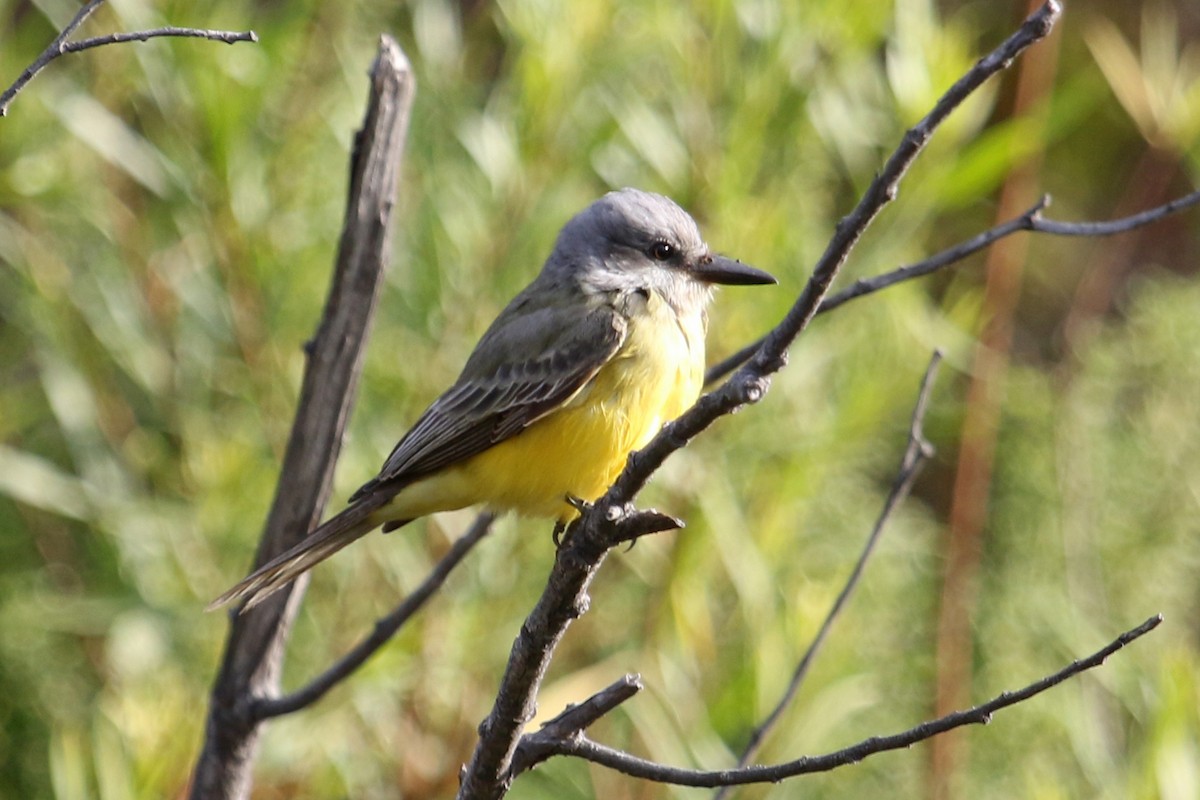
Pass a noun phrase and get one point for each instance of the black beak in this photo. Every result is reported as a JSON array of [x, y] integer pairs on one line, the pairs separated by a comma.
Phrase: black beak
[[719, 269]]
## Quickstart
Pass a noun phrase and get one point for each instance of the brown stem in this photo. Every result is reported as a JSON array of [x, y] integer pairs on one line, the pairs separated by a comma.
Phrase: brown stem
[[972, 483]]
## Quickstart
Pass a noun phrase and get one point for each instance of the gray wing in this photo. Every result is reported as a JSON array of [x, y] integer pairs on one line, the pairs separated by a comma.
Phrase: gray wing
[[529, 363]]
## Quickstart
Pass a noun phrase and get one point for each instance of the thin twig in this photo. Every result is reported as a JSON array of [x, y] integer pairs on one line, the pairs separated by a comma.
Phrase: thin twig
[[489, 773], [865, 286], [915, 455], [537, 747], [584, 748], [385, 628], [1117, 225], [60, 46], [1031, 221], [52, 51], [228, 37]]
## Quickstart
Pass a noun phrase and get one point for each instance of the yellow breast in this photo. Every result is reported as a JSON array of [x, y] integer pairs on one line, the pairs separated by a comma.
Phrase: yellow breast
[[581, 448]]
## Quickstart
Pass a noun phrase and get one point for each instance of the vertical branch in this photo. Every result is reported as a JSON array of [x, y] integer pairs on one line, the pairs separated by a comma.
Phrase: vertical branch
[[254, 650]]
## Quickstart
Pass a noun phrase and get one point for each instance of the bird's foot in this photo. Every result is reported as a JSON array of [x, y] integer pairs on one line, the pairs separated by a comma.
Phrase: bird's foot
[[562, 528], [578, 503]]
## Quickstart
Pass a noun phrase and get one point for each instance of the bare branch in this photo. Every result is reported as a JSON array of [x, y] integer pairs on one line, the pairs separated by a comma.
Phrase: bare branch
[[52, 51], [582, 747], [865, 286], [915, 455], [564, 599], [60, 46], [254, 650], [1031, 221], [489, 773], [384, 630], [1117, 225], [535, 748], [228, 37]]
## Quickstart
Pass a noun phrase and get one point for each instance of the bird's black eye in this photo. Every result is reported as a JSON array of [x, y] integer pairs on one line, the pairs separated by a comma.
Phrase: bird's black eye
[[662, 251]]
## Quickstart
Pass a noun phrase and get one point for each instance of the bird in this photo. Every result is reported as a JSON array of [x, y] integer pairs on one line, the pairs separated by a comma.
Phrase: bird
[[581, 368]]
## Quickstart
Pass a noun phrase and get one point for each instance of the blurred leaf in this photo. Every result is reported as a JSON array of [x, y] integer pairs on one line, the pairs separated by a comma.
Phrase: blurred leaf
[[34, 481]]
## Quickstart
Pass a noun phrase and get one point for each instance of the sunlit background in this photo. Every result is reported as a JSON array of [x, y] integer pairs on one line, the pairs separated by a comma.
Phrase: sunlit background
[[168, 215]]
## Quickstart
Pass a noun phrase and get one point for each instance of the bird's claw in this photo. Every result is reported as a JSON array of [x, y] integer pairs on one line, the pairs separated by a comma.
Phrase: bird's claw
[[578, 503], [562, 529]]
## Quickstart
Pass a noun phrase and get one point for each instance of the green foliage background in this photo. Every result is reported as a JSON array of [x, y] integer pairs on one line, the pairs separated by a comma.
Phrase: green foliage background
[[168, 213]]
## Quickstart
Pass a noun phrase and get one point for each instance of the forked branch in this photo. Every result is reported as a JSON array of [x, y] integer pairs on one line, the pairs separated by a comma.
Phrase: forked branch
[[60, 46], [580, 746]]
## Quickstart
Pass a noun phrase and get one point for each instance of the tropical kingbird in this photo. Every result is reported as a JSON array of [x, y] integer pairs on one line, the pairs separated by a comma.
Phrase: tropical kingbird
[[584, 366]]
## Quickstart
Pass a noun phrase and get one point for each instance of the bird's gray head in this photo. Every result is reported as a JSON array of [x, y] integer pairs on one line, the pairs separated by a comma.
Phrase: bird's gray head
[[630, 240]]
